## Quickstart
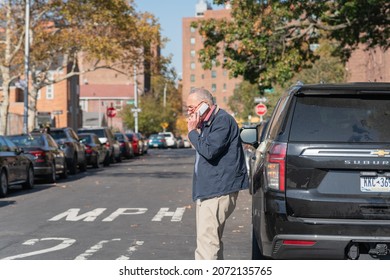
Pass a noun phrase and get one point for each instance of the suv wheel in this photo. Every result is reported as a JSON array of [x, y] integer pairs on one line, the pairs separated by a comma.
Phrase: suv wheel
[[3, 184], [73, 165], [256, 252], [83, 166]]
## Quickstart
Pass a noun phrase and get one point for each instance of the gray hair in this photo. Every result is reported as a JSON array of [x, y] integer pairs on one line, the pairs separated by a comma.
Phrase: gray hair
[[203, 94]]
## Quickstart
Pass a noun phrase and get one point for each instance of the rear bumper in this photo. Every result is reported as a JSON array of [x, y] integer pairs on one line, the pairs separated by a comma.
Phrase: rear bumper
[[324, 246], [308, 238]]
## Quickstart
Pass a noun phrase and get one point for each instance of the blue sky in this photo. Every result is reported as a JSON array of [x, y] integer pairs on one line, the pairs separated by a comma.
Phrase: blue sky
[[170, 14]]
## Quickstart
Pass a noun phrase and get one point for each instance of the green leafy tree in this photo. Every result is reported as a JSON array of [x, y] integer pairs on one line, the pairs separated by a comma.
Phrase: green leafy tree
[[267, 42]]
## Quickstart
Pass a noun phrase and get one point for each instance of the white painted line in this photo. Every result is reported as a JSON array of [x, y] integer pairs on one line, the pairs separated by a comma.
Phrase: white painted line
[[88, 253], [131, 250], [66, 242]]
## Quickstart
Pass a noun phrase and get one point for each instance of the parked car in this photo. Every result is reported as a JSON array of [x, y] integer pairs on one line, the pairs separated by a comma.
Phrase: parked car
[[125, 145], [320, 182], [95, 152], [48, 159], [180, 142], [187, 143], [170, 138], [69, 142], [16, 168], [157, 141], [136, 142], [107, 138]]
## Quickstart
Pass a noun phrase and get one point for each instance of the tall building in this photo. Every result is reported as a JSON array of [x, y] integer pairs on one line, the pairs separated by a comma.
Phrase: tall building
[[217, 79]]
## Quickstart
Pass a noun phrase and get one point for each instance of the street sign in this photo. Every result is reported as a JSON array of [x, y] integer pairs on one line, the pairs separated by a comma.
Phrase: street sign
[[57, 112], [260, 99], [138, 110], [111, 112], [261, 109]]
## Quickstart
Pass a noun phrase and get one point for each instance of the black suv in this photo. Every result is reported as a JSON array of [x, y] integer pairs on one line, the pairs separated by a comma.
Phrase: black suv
[[69, 142], [321, 178]]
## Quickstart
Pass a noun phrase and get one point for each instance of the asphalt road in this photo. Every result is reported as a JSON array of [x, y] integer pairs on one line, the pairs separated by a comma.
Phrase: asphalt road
[[139, 209]]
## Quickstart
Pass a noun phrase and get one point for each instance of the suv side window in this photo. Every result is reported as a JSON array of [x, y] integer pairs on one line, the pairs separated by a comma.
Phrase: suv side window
[[277, 118]]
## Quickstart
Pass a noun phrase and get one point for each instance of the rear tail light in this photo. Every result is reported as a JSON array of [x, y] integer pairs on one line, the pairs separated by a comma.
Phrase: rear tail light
[[107, 145], [276, 166], [88, 149], [299, 242], [122, 144], [39, 156]]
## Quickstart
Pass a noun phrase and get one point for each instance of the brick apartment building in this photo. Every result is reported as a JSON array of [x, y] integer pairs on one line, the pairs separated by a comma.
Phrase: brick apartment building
[[216, 80], [57, 105]]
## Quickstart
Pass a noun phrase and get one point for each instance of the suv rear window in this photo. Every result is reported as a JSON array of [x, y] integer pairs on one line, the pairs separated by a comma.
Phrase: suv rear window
[[352, 118]]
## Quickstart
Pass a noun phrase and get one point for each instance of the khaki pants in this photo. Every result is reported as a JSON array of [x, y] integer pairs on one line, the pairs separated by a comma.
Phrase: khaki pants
[[211, 215]]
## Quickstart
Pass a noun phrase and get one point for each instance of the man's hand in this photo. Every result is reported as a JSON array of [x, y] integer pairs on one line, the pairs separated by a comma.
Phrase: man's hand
[[193, 121]]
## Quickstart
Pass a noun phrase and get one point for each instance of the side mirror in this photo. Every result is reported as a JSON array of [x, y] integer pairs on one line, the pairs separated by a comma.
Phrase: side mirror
[[249, 136]]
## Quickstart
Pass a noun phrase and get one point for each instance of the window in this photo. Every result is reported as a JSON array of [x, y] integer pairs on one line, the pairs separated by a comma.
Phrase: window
[[192, 65], [213, 87], [50, 92], [19, 95], [224, 87], [192, 40], [192, 53], [50, 88], [192, 78], [213, 74], [192, 29]]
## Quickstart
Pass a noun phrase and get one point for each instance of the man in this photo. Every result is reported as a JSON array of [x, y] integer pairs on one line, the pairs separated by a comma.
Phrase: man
[[219, 173]]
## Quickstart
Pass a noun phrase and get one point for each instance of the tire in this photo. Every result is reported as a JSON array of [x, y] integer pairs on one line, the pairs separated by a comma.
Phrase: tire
[[107, 160], [64, 173], [51, 178], [29, 184], [83, 166], [119, 158], [3, 184], [96, 162], [73, 165], [256, 252]]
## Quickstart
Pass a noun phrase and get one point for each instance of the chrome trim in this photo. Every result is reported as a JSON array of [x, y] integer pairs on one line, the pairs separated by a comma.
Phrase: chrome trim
[[347, 153]]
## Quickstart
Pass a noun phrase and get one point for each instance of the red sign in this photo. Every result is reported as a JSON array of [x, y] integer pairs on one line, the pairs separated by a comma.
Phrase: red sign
[[111, 112], [261, 109]]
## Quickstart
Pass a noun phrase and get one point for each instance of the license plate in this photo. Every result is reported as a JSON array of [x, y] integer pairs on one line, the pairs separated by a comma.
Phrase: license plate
[[155, 145], [375, 184]]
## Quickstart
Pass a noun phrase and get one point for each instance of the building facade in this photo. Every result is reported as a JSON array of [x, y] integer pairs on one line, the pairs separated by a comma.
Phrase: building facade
[[217, 79]]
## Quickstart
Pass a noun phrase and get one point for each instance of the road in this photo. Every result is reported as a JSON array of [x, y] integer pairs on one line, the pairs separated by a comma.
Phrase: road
[[139, 209]]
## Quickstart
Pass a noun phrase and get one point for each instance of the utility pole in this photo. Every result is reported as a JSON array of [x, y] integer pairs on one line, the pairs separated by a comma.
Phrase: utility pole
[[26, 66], [135, 101]]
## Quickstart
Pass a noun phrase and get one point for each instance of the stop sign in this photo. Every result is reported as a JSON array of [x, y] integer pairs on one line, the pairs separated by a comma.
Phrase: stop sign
[[261, 109], [111, 112]]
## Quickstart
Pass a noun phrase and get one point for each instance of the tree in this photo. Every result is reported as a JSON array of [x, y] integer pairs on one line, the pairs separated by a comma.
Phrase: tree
[[154, 113], [327, 68], [109, 34], [11, 44], [267, 42]]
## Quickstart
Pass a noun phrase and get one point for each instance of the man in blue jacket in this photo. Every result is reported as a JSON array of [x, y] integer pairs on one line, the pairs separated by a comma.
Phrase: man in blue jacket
[[219, 173]]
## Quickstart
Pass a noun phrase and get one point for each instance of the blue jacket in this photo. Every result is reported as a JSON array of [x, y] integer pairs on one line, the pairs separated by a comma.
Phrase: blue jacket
[[220, 166]]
